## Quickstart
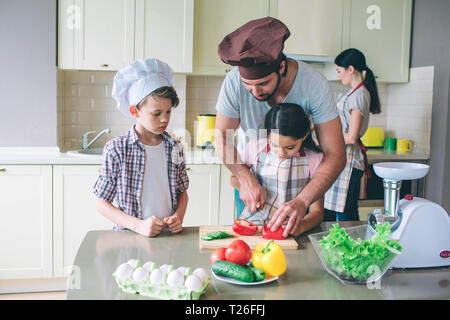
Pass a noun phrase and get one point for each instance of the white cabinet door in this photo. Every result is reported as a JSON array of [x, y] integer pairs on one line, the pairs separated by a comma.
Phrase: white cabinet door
[[26, 221], [164, 30], [96, 34], [203, 192], [214, 19], [74, 211], [315, 26], [227, 210], [381, 29]]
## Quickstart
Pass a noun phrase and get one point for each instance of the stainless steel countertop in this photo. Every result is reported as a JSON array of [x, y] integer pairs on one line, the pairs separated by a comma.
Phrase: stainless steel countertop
[[102, 251]]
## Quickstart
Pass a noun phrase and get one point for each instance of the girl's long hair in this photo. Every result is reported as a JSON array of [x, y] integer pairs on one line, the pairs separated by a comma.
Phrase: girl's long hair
[[354, 57], [290, 120]]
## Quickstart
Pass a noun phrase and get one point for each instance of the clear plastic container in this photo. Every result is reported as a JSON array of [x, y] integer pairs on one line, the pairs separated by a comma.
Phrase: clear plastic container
[[373, 272]]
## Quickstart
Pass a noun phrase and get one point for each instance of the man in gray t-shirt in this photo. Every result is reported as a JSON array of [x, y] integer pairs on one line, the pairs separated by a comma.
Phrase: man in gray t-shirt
[[265, 77]]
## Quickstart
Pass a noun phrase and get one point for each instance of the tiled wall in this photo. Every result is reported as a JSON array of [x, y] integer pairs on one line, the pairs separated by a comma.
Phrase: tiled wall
[[85, 103], [410, 107], [202, 93]]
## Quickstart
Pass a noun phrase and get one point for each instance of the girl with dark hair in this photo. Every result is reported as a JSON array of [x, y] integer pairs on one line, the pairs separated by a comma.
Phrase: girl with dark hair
[[283, 163], [354, 107]]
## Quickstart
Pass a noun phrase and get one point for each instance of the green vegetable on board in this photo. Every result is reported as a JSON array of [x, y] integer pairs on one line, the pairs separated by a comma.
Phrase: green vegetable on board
[[216, 235], [355, 258]]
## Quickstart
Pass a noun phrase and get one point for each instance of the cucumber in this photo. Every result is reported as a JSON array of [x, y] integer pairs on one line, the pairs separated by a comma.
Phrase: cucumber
[[232, 270], [258, 273], [216, 235]]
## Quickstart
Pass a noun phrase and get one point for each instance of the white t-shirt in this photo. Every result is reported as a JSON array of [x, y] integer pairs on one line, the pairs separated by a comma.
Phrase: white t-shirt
[[156, 200]]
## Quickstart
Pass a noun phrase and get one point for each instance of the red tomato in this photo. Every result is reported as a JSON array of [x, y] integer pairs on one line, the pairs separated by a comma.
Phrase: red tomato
[[218, 254], [238, 252]]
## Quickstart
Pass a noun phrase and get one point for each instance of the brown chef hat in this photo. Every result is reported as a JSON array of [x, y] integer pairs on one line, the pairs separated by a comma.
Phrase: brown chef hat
[[256, 47]]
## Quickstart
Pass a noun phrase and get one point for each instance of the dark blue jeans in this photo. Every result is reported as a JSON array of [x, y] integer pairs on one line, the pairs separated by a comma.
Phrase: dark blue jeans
[[351, 203]]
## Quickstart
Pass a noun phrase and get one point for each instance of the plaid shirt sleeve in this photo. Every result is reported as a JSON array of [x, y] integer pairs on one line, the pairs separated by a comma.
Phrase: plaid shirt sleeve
[[182, 178], [106, 185]]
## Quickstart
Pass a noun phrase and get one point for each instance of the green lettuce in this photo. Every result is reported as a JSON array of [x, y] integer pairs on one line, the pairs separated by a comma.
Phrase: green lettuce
[[356, 258]]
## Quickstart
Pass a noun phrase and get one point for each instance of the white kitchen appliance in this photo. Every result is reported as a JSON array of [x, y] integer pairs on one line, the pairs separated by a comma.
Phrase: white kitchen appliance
[[422, 227]]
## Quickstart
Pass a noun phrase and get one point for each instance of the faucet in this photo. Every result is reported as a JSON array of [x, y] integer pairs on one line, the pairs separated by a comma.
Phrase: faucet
[[86, 145]]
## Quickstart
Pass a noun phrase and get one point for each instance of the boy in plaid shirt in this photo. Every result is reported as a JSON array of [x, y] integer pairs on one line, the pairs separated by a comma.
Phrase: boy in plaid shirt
[[144, 170]]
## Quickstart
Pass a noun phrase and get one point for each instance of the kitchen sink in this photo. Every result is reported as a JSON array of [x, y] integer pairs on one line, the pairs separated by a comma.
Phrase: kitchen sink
[[86, 152]]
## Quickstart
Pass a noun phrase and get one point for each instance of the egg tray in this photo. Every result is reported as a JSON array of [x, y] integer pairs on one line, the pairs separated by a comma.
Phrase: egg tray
[[161, 290]]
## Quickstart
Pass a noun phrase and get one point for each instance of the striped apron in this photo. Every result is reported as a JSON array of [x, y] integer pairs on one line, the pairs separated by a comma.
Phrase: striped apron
[[281, 180], [336, 196]]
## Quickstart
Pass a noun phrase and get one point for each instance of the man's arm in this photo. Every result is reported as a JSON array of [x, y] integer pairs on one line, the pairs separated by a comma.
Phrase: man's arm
[[331, 141], [334, 159], [251, 193]]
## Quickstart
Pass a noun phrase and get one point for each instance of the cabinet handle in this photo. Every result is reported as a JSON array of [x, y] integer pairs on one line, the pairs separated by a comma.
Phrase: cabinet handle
[[105, 65], [187, 169]]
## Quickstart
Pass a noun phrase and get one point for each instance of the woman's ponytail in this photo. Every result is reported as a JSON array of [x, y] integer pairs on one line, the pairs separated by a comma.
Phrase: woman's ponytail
[[371, 85], [354, 57]]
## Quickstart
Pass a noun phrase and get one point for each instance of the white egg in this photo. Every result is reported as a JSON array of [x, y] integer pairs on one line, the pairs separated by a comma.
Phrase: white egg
[[124, 271], [201, 273], [157, 276], [164, 267], [134, 263], [149, 266], [175, 278], [193, 283], [140, 274], [182, 270]]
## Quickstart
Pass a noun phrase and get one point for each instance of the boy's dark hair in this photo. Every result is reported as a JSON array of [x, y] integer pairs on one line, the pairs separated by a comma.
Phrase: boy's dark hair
[[354, 57], [290, 120], [163, 93]]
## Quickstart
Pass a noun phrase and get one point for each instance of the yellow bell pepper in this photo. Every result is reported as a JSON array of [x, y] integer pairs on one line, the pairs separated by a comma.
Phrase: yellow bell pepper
[[269, 257]]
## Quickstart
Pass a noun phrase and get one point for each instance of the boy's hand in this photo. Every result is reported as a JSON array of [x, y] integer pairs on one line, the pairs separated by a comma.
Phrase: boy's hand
[[174, 223], [150, 227]]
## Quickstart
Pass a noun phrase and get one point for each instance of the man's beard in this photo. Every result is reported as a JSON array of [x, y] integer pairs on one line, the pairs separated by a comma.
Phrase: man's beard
[[269, 96]]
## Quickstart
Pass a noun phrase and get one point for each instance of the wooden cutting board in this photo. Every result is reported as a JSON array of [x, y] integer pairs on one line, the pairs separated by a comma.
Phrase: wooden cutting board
[[287, 244]]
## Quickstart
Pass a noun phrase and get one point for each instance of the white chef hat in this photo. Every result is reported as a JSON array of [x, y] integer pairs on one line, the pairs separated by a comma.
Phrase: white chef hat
[[133, 83]]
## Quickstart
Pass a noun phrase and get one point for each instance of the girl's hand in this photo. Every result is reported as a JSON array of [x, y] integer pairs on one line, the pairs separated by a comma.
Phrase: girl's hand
[[150, 227], [293, 209], [174, 223]]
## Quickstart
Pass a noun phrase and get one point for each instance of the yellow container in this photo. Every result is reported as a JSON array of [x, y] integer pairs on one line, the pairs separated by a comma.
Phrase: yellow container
[[205, 130], [404, 145], [373, 137]]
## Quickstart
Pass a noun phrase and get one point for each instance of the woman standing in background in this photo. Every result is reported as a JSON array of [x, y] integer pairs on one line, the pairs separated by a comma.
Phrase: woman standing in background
[[341, 200]]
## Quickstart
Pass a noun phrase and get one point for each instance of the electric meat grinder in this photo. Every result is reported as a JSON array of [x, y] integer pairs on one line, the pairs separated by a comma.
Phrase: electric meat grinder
[[422, 227]]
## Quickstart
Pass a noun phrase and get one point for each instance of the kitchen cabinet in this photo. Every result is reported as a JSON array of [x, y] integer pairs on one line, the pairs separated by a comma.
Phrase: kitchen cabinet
[[109, 35], [26, 227], [95, 34], [381, 29], [203, 192], [315, 26], [164, 30], [74, 211], [213, 20], [227, 208]]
